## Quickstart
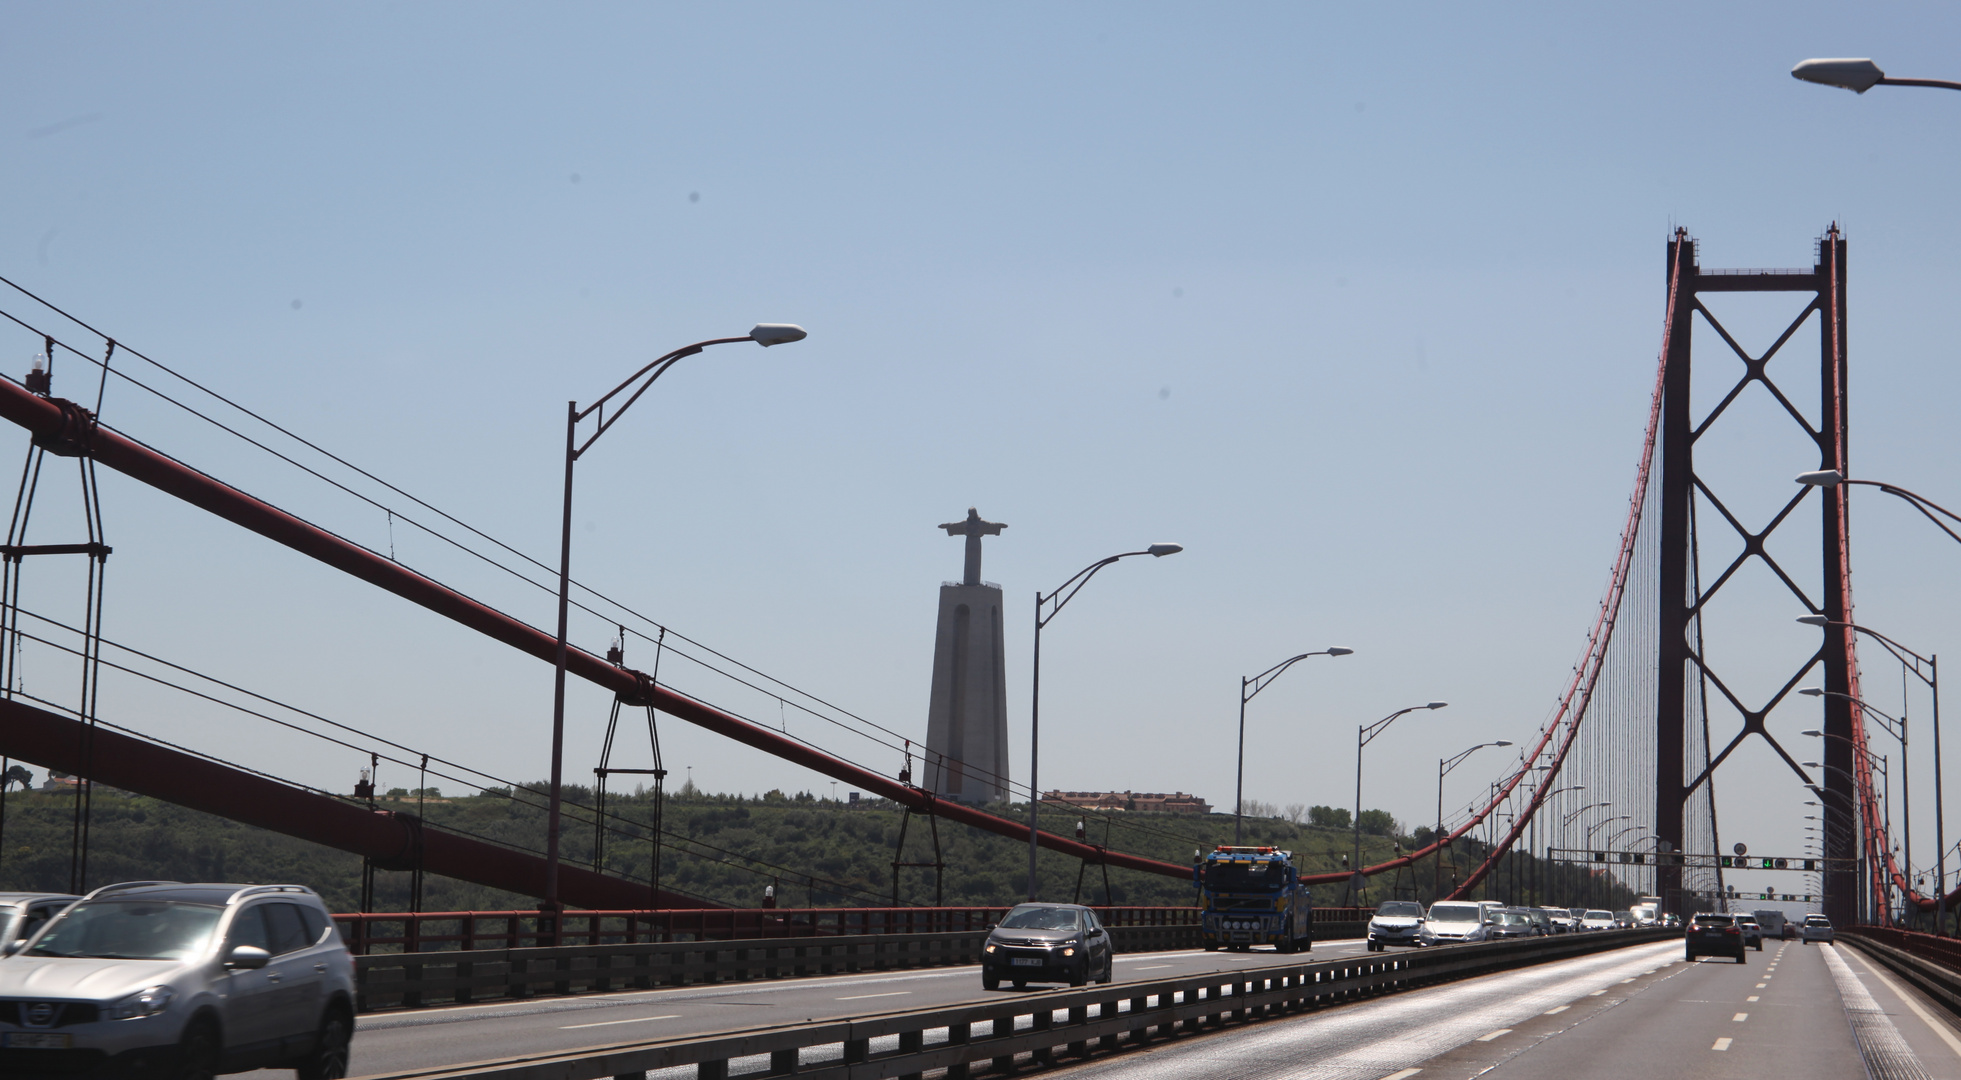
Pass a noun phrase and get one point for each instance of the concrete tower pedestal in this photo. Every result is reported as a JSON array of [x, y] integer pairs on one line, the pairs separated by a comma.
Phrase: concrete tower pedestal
[[967, 719]]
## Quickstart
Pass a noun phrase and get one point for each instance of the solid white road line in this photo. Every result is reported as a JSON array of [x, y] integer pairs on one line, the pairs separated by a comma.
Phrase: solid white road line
[[862, 997], [1495, 1034], [1153, 967], [1947, 1035], [610, 1023], [1721, 1044]]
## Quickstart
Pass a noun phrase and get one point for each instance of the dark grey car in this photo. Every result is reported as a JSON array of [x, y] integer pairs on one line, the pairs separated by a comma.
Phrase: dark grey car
[[1047, 943]]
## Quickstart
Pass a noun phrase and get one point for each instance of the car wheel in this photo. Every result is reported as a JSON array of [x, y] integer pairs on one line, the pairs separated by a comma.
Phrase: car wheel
[[1691, 958], [328, 1059], [1080, 976], [1021, 984], [990, 981], [1109, 969], [1740, 959], [198, 1051], [1211, 946]]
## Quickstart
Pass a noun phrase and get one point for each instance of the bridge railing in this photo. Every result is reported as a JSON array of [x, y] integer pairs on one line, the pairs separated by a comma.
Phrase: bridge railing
[[436, 931]]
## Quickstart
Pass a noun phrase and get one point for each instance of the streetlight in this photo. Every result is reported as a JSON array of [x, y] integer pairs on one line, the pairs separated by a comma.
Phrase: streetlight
[[1444, 766], [1568, 820], [1365, 734], [1605, 821], [1912, 661], [1858, 75], [1248, 690], [1055, 600], [1897, 729], [764, 334]]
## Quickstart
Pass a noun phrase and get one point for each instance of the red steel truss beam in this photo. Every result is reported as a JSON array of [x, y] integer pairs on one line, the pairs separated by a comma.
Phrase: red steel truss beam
[[118, 760], [64, 427]]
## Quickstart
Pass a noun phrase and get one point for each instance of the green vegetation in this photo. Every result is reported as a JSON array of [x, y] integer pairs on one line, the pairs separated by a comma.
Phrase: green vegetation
[[726, 848]]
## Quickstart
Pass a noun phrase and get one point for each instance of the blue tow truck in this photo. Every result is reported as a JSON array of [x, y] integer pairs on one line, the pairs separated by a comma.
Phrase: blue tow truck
[[1253, 896]]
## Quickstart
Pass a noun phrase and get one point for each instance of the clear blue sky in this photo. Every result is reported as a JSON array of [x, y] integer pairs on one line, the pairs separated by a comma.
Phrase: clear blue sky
[[1360, 304]]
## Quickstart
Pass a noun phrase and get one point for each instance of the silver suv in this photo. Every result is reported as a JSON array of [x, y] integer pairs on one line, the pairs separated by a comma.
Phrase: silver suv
[[159, 978], [23, 913]]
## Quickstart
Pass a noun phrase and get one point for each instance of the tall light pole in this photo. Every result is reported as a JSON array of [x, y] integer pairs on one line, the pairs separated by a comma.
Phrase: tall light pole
[[1897, 728], [1913, 661], [1054, 601], [1248, 690], [1444, 766], [764, 334], [1364, 735]]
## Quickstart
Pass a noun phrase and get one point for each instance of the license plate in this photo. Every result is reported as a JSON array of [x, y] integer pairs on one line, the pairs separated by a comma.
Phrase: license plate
[[34, 1040], [1025, 961]]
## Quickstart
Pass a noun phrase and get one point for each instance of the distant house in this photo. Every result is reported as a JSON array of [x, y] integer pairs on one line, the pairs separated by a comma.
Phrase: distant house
[[1137, 802]]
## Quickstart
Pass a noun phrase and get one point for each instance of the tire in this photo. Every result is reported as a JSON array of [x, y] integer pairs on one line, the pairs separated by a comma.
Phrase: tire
[[328, 1058], [199, 1051], [1211, 946], [1109, 970], [1691, 956], [1740, 959], [1080, 976], [990, 981], [1021, 984]]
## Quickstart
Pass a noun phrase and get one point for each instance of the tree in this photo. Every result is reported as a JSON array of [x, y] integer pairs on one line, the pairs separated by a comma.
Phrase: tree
[[17, 775], [1379, 823], [1328, 817], [1297, 813]]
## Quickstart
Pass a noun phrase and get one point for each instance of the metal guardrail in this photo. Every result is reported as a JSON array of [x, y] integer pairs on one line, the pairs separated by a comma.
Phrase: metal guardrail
[[391, 980], [1931, 963], [1077, 1023], [428, 931]]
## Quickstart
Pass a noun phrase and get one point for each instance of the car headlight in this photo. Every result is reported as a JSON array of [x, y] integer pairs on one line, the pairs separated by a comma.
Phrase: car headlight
[[1070, 951], [140, 1004], [990, 946]]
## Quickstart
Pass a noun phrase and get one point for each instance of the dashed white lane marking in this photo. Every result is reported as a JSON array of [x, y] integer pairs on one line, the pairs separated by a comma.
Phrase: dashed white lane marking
[[1556, 1012], [1597, 993], [1721, 1044], [1760, 986], [1627, 980], [610, 1023], [1752, 997], [1739, 1018], [1495, 1034], [1404, 1075], [888, 993]]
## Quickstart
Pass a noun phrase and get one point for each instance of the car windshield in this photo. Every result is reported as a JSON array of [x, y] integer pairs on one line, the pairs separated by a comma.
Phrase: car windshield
[[1605, 916], [1713, 920], [1401, 909], [130, 930], [1816, 920], [1043, 918], [1453, 913], [1264, 876], [1509, 918]]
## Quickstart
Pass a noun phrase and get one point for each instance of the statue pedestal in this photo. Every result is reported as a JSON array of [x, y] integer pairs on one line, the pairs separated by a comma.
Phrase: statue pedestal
[[967, 721]]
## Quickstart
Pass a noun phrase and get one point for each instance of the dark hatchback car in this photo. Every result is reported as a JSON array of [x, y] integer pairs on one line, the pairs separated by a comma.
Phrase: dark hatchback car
[[1047, 943], [1714, 935]]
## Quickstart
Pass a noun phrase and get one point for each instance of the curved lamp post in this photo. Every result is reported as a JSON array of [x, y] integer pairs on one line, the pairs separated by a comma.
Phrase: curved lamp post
[[1896, 727], [1913, 661], [764, 334], [1248, 690], [1858, 75], [1444, 766], [1054, 601], [1364, 735]]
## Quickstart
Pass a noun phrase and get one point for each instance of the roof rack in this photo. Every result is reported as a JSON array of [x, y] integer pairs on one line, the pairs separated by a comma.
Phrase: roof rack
[[261, 890], [121, 885]]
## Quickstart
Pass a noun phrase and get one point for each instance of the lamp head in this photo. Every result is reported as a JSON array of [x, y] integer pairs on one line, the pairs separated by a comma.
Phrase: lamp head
[[1161, 550], [1857, 75], [1812, 691], [776, 333], [1814, 620], [1811, 765], [1436, 704], [1822, 478], [1502, 742], [1813, 732], [1338, 650]]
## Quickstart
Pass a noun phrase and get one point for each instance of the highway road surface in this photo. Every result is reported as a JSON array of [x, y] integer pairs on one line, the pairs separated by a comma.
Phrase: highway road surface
[[1791, 1012], [429, 1038]]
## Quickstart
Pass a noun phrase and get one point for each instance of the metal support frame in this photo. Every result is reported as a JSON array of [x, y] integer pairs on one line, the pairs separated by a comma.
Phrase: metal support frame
[[605, 768], [1682, 605]]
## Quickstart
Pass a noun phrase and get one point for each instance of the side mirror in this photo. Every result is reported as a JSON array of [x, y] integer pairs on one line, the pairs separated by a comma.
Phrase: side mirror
[[13, 947], [991, 926], [247, 958]]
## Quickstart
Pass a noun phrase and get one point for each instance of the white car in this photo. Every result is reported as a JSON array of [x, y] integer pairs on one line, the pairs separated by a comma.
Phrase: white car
[[1815, 928], [1599, 920], [21, 914], [1453, 922], [1396, 922], [162, 978]]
